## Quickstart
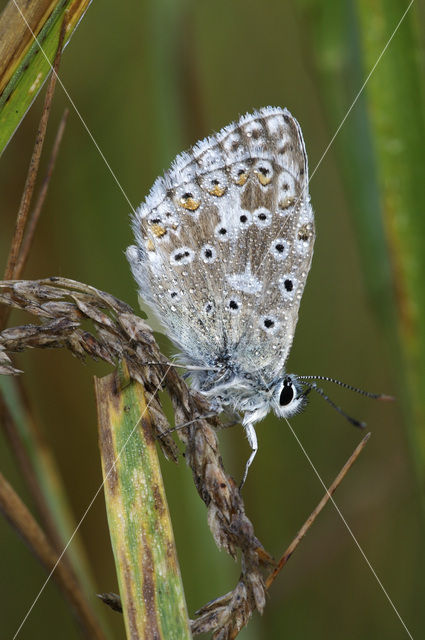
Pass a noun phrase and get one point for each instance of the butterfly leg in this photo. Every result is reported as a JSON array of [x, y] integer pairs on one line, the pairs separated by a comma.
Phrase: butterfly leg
[[252, 439]]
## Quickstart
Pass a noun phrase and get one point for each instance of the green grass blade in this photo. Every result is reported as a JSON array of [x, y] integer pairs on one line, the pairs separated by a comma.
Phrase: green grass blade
[[139, 522], [23, 67], [397, 120], [335, 40]]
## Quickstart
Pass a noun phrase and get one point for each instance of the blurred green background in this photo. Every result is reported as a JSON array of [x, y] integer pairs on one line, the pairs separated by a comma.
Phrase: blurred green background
[[149, 79]]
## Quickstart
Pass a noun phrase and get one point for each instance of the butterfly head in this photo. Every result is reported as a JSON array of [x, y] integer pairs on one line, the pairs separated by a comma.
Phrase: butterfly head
[[285, 396]]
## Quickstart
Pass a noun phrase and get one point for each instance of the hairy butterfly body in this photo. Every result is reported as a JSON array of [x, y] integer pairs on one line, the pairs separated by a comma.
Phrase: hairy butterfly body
[[224, 243]]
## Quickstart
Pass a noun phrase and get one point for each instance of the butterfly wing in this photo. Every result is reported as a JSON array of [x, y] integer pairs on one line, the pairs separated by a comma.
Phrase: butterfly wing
[[225, 242]]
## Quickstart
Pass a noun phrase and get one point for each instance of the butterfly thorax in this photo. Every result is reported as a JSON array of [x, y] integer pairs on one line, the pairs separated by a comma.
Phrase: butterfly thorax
[[235, 390], [230, 388]]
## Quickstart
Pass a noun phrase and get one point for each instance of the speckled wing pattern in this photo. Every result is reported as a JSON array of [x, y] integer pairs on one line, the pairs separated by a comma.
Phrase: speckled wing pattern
[[225, 242]]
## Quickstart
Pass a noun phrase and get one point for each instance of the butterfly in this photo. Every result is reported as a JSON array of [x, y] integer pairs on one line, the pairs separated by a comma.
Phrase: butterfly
[[224, 243]]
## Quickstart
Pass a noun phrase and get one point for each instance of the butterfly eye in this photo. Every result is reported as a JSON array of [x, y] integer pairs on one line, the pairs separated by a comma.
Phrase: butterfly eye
[[287, 393]]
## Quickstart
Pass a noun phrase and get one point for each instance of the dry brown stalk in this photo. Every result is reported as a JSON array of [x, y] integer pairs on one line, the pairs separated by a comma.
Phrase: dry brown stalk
[[32, 222], [12, 267]]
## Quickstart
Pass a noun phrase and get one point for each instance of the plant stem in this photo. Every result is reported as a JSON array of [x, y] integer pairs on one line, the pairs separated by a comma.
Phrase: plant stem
[[142, 539]]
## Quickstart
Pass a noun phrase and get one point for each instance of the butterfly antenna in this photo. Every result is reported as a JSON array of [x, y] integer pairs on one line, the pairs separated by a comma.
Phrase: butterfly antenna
[[313, 386], [375, 396]]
